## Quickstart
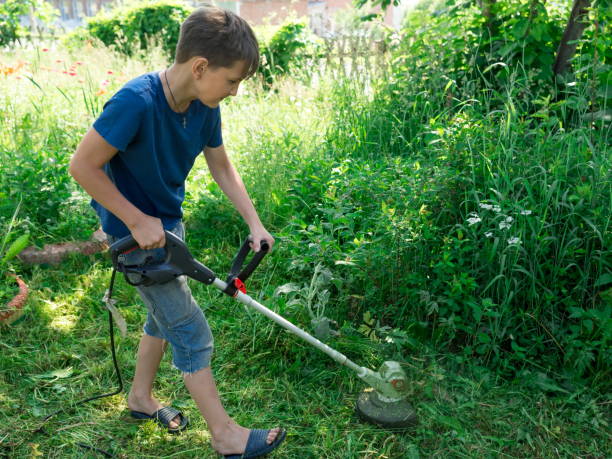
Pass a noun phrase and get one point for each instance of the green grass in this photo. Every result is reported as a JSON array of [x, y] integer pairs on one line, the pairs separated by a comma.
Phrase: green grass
[[266, 377], [373, 194]]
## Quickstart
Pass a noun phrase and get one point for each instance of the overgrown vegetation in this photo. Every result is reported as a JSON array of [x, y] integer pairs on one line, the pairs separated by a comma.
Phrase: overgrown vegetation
[[456, 218]]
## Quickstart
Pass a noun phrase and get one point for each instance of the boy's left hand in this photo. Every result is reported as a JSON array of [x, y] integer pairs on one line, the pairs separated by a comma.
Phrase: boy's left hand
[[258, 235]]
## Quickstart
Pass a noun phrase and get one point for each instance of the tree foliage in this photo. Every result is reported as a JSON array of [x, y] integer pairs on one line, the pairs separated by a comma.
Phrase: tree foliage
[[11, 12]]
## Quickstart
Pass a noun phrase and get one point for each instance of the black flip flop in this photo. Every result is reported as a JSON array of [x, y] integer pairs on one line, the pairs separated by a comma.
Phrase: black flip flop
[[163, 416], [257, 445]]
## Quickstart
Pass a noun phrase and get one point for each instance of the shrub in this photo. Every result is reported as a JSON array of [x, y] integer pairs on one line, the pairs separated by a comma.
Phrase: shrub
[[137, 27], [285, 50]]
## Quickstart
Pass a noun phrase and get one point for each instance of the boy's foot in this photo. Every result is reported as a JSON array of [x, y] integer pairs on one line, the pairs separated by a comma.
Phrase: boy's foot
[[233, 440], [149, 405]]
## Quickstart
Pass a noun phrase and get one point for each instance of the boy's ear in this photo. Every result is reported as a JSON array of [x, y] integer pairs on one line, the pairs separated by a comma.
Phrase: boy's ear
[[199, 66]]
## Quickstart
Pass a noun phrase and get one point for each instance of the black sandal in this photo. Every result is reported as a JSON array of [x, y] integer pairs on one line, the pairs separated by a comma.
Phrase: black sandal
[[163, 417]]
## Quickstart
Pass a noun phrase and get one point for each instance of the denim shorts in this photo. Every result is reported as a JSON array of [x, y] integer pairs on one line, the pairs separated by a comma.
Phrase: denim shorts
[[173, 314]]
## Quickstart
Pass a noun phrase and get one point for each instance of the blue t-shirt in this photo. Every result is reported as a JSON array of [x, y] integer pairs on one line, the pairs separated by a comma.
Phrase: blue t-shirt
[[157, 149]]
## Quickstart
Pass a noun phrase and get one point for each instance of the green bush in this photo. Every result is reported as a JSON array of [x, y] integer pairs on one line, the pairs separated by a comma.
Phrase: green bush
[[137, 27], [477, 54], [285, 50]]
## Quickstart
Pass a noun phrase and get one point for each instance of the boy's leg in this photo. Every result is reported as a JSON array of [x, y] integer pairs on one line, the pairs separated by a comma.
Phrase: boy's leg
[[140, 398], [227, 436]]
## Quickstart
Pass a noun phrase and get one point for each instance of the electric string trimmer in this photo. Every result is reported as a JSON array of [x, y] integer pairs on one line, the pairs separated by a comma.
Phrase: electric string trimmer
[[384, 404]]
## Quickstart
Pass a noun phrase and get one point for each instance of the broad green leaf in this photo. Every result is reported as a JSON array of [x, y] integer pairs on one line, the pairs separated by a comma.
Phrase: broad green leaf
[[603, 280], [286, 288], [55, 374], [17, 246]]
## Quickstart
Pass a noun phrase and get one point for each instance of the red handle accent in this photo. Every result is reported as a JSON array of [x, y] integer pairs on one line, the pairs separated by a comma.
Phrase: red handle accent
[[240, 285]]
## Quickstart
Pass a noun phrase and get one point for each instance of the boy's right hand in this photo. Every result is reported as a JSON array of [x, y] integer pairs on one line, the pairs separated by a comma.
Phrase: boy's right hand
[[148, 232]]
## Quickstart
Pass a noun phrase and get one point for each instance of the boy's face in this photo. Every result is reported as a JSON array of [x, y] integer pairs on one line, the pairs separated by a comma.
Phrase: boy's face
[[213, 84]]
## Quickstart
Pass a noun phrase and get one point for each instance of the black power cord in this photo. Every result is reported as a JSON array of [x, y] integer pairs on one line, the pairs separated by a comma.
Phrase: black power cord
[[111, 329]]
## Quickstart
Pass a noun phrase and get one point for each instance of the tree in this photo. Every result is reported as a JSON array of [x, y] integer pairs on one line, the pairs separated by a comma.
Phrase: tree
[[573, 31], [11, 12]]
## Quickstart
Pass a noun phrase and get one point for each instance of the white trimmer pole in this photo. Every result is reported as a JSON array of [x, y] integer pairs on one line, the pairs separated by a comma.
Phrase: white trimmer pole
[[337, 356]]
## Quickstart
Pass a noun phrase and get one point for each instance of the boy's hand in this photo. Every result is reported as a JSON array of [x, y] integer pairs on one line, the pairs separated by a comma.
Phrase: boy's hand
[[148, 232], [258, 235]]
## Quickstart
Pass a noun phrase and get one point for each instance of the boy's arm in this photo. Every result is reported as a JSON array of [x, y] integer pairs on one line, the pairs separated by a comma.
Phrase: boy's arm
[[86, 166], [224, 173]]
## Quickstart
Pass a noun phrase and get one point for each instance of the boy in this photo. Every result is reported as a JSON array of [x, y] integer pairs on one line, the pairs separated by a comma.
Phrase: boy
[[134, 162]]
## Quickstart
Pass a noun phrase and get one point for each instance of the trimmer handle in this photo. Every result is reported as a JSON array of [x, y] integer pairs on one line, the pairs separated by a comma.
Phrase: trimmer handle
[[237, 276], [178, 261]]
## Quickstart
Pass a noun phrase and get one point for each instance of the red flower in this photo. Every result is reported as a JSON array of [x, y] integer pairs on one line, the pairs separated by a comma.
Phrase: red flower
[[45, 50], [110, 72]]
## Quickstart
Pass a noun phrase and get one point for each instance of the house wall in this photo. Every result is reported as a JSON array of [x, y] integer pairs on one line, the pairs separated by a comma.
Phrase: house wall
[[273, 11], [71, 10], [257, 12]]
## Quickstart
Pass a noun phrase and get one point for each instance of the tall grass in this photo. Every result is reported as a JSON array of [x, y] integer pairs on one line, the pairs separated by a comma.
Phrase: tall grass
[[479, 222], [50, 96]]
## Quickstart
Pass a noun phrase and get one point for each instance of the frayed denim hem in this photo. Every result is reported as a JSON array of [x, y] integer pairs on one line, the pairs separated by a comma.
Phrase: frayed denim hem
[[187, 374]]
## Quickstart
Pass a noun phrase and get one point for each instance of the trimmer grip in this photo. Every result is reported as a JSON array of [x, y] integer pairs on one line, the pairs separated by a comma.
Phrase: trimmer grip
[[257, 257], [237, 276]]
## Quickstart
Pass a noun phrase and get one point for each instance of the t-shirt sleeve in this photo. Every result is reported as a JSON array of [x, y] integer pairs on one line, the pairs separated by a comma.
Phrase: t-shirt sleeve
[[120, 119], [216, 139]]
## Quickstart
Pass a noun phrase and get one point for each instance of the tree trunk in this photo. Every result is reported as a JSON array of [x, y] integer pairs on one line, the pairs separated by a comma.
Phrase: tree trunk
[[573, 31]]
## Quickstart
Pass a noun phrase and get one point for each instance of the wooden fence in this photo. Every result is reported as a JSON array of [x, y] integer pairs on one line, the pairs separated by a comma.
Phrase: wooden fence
[[358, 57]]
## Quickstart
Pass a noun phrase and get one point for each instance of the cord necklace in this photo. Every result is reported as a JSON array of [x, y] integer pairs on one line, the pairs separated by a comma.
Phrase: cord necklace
[[174, 100]]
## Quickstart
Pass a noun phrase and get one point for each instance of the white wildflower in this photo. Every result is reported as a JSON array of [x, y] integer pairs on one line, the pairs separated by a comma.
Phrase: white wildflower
[[504, 225], [496, 209], [509, 219], [474, 220], [514, 241], [485, 206], [488, 234], [525, 212]]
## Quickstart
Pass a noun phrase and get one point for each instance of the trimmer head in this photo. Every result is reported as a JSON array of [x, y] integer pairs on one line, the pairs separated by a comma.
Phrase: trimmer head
[[385, 402], [372, 407]]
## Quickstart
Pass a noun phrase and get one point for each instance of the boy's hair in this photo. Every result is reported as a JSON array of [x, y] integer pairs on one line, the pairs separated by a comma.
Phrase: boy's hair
[[220, 36]]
